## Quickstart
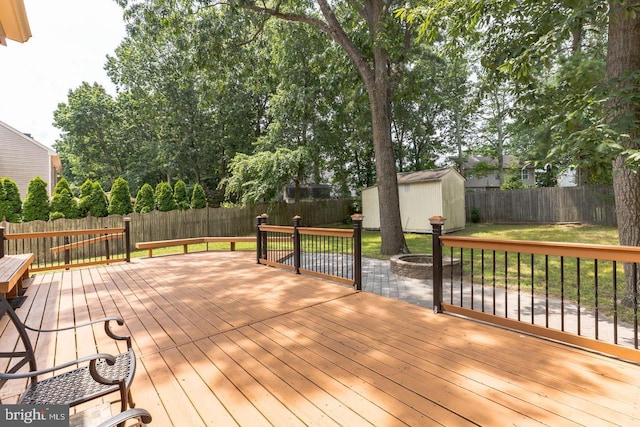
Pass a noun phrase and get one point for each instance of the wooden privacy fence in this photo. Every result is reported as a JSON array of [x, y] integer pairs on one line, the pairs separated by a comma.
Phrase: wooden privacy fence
[[196, 222], [586, 295], [584, 204]]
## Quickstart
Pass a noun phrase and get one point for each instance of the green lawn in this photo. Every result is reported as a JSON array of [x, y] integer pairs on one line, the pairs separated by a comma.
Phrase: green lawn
[[421, 243]]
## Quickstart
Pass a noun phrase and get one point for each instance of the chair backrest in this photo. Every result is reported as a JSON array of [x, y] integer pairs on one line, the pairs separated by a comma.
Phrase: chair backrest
[[15, 344]]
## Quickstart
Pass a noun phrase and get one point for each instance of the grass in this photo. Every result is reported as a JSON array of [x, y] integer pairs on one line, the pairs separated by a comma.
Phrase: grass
[[421, 243]]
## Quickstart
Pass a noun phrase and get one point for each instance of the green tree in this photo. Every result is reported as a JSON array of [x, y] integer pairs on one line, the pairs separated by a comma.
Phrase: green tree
[[3, 201], [262, 176], [198, 197], [98, 201], [164, 197], [120, 198], [87, 145], [36, 204], [85, 198], [180, 195], [63, 204], [62, 184], [12, 210], [377, 43], [145, 199]]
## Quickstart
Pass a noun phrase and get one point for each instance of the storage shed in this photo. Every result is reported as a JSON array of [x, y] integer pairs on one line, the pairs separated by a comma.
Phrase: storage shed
[[423, 194]]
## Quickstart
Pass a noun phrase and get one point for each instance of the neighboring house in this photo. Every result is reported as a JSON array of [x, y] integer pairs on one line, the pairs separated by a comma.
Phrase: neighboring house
[[308, 192], [489, 179], [423, 194], [22, 158]]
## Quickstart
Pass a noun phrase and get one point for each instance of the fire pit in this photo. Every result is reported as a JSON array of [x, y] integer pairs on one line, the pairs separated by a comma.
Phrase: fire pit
[[420, 266]]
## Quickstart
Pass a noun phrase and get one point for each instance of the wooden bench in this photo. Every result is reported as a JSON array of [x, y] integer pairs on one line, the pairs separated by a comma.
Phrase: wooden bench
[[13, 270], [193, 241]]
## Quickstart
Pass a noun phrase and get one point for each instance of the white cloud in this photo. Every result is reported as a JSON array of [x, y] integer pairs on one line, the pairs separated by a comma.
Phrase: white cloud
[[69, 44]]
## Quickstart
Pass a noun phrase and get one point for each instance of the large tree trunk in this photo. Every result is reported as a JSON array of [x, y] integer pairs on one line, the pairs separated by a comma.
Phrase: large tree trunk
[[391, 234], [623, 58]]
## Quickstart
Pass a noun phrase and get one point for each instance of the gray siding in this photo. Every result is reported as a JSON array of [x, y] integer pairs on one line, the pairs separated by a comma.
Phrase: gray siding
[[22, 159]]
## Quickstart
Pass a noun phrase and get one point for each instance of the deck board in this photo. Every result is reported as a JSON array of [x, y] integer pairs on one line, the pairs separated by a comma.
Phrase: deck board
[[222, 341]]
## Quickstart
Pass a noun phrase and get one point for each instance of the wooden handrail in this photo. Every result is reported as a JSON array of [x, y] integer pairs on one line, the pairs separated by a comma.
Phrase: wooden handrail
[[578, 250], [18, 236], [85, 242]]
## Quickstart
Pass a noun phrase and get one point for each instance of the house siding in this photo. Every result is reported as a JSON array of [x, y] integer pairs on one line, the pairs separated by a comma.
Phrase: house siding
[[22, 159]]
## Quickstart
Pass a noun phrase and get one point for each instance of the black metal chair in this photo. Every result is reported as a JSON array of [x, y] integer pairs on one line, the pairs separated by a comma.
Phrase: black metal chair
[[141, 414], [94, 376]]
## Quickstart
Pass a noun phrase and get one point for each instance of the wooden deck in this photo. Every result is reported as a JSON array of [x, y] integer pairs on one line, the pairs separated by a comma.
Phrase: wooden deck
[[222, 341]]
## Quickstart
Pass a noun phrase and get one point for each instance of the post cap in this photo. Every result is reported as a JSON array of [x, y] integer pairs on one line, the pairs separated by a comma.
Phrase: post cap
[[437, 220], [357, 217]]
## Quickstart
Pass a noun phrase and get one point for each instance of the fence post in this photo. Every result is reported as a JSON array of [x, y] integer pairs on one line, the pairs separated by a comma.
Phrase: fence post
[[1, 242], [436, 224], [357, 250], [127, 238], [296, 243]]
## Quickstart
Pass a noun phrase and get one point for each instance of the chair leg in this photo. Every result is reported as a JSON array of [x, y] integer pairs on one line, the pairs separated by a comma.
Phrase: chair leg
[[131, 402]]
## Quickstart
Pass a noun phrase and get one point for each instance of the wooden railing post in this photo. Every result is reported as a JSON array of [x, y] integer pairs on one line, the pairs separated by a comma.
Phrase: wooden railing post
[[296, 243], [263, 236], [127, 238], [1, 242], [67, 252], [357, 250], [258, 239], [106, 246], [436, 224]]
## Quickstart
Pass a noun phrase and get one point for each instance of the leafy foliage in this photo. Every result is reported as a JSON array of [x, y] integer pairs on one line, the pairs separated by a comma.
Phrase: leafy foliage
[[36, 204], [145, 199], [180, 195], [164, 197], [198, 197], [63, 204], [120, 198], [98, 203], [262, 177], [85, 197], [10, 203]]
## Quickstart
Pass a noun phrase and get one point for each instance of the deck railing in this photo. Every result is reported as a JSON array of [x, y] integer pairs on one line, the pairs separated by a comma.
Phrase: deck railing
[[71, 248], [330, 253], [585, 295]]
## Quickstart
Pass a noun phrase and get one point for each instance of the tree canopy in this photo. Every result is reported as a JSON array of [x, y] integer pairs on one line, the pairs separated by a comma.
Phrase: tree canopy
[[213, 94]]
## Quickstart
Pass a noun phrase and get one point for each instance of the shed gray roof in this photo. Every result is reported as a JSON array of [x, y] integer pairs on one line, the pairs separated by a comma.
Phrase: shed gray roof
[[422, 176]]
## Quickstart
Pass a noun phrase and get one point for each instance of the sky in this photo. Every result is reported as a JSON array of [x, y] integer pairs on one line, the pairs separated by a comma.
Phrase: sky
[[69, 44]]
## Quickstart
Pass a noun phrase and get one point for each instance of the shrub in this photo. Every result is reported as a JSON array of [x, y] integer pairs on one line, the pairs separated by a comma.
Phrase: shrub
[[198, 197], [3, 201], [164, 197], [56, 215], [475, 215], [85, 197], [145, 200], [180, 195], [98, 203], [120, 200], [65, 204], [62, 184], [36, 204], [12, 203]]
